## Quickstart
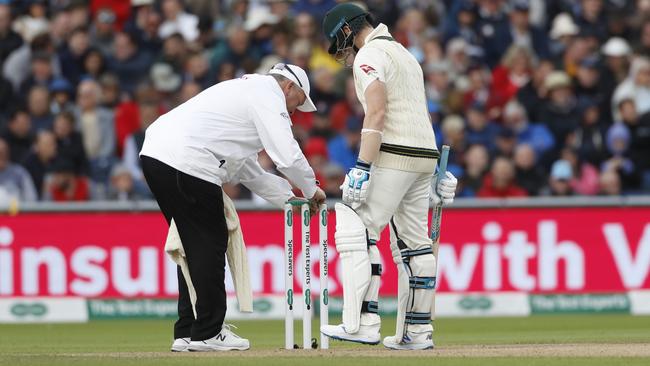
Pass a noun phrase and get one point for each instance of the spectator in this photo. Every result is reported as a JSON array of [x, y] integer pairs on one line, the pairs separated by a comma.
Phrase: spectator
[[479, 129], [559, 182], [643, 49], [322, 91], [532, 94], [617, 54], [18, 135], [459, 60], [97, 130], [562, 32], [103, 30], [333, 176], [17, 65], [437, 83], [523, 34], [618, 143], [505, 142], [122, 187], [71, 55], [41, 74], [507, 78], [174, 52], [144, 24], [477, 91], [9, 39], [148, 111], [129, 63], [588, 86], [188, 90], [94, 63], [321, 127], [494, 28], [34, 22], [61, 91], [591, 17], [464, 26], [585, 175], [560, 112], [528, 173], [178, 21], [453, 132], [260, 23], [69, 143], [500, 182], [477, 164], [63, 185], [40, 160], [348, 107], [637, 84], [589, 138], [609, 183], [6, 98], [640, 142], [110, 91], [14, 179], [235, 49], [315, 151], [534, 134], [197, 70], [38, 102], [344, 148]]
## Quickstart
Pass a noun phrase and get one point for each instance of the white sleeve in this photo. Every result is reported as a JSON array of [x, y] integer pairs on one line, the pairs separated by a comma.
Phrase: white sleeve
[[274, 129], [370, 65], [272, 188]]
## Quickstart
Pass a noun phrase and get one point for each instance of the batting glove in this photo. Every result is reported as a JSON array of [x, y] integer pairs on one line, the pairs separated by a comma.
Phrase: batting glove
[[445, 190], [355, 185]]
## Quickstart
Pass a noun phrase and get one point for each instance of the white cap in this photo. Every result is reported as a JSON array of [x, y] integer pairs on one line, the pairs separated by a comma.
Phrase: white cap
[[299, 77], [616, 47], [258, 17], [563, 25], [141, 2], [164, 78]]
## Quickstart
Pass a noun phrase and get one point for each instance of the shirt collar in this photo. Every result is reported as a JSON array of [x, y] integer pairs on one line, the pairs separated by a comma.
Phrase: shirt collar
[[380, 30]]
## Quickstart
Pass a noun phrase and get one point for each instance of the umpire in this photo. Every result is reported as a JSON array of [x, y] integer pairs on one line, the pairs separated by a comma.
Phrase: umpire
[[211, 139]]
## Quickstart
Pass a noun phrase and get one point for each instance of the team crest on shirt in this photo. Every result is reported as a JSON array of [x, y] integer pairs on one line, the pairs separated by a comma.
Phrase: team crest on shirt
[[367, 68]]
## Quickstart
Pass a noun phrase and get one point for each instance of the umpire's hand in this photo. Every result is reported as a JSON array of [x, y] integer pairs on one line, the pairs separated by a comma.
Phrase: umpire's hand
[[316, 200]]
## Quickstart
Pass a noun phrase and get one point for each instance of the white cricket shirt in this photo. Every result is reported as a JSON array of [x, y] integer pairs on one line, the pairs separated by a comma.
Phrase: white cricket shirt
[[406, 123], [217, 135]]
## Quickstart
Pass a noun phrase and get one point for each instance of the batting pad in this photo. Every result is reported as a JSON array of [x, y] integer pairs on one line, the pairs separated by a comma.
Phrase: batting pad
[[352, 245]]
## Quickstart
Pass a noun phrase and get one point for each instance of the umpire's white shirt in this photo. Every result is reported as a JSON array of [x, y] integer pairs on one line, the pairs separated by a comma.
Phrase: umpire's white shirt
[[217, 135]]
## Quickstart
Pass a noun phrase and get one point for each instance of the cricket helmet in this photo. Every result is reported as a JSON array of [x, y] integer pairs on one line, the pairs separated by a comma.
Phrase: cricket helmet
[[336, 19]]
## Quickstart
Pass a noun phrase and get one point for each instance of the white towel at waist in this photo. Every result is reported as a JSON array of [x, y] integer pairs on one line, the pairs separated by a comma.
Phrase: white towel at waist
[[235, 254]]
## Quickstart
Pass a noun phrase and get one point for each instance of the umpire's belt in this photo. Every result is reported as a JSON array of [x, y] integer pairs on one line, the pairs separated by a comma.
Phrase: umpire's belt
[[410, 151]]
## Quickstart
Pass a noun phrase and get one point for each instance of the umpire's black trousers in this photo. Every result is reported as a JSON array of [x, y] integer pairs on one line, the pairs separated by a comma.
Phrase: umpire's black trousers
[[197, 209]]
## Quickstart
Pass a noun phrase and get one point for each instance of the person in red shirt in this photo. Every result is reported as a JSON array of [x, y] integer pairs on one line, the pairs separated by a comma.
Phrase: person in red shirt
[[513, 73], [500, 182], [63, 185]]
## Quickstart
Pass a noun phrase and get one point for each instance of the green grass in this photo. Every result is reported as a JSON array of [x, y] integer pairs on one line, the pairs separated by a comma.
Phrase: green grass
[[146, 342]]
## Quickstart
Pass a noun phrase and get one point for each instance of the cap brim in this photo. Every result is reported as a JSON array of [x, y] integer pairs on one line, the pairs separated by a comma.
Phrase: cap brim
[[308, 106]]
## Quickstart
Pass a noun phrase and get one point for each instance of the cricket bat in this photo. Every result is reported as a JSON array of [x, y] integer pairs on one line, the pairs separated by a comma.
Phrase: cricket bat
[[437, 218]]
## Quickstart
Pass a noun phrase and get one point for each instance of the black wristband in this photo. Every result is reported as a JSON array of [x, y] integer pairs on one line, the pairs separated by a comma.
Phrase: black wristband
[[362, 165]]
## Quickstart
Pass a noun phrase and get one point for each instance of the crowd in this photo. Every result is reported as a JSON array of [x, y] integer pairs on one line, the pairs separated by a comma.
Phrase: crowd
[[535, 97]]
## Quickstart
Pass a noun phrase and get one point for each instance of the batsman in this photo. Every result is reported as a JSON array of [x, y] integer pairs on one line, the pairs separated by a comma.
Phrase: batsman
[[390, 185]]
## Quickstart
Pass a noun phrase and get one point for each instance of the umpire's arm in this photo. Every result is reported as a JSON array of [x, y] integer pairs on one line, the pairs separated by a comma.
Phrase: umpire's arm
[[272, 188]]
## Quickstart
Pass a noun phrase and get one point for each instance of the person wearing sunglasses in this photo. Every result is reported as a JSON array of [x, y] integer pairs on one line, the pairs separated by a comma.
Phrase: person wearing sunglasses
[[209, 140], [390, 185]]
